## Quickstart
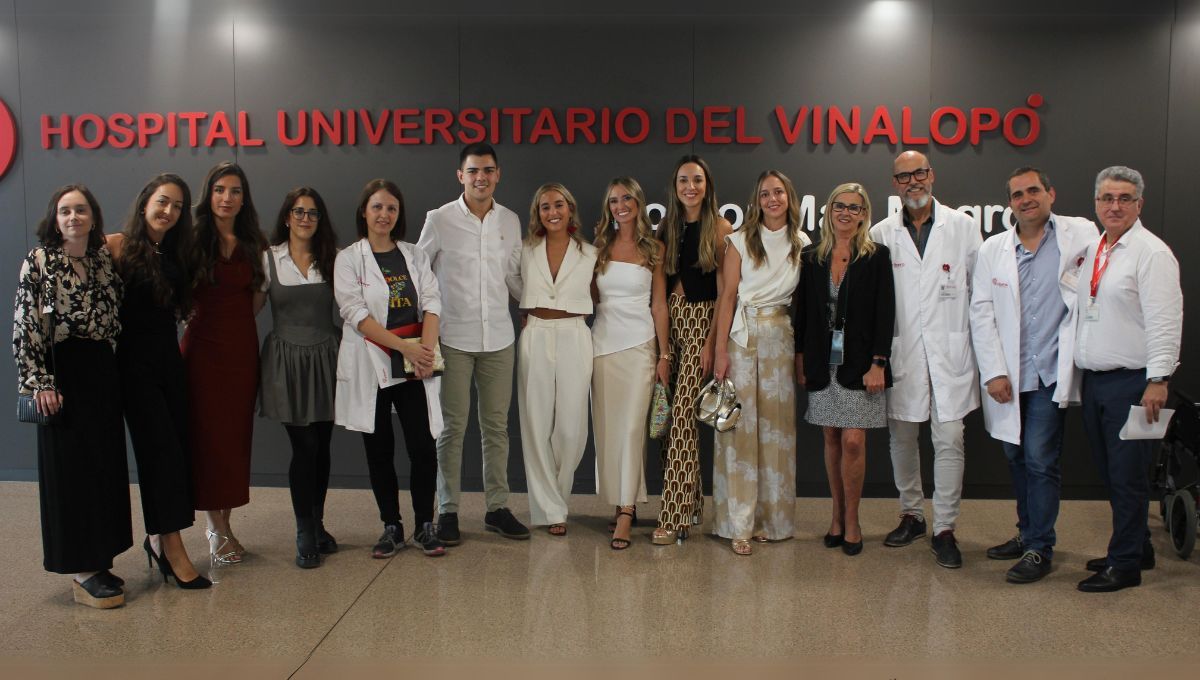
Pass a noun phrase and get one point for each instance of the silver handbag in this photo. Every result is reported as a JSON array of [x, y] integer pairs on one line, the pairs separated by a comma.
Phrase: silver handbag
[[717, 405]]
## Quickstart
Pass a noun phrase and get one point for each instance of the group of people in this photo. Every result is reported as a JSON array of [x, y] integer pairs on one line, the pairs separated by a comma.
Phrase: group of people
[[889, 324]]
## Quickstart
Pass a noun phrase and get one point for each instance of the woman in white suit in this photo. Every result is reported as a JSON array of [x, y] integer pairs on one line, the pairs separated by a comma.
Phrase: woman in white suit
[[551, 276], [386, 292]]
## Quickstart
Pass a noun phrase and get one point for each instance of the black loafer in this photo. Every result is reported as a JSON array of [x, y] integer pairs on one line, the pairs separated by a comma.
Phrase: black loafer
[[1110, 580], [945, 550], [447, 528], [501, 521], [1032, 567], [1011, 549], [911, 528], [1148, 561]]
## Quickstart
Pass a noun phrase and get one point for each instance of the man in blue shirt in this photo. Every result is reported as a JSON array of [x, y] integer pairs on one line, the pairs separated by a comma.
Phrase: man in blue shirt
[[1022, 316]]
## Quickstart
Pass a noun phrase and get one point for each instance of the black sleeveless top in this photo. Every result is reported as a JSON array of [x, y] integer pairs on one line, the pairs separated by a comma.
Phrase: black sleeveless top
[[140, 312], [698, 286]]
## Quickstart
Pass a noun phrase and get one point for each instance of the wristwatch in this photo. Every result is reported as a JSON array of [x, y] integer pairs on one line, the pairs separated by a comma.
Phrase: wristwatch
[[1157, 381], [879, 361]]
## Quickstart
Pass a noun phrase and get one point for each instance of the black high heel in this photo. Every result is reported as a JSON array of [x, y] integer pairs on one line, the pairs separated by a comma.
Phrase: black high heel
[[164, 567]]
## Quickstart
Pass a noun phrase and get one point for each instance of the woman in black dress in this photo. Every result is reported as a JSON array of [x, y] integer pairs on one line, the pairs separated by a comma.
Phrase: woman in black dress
[[150, 256], [64, 326]]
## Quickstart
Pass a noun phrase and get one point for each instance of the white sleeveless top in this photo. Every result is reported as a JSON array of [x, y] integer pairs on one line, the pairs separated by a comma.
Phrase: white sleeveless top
[[767, 285], [623, 317]]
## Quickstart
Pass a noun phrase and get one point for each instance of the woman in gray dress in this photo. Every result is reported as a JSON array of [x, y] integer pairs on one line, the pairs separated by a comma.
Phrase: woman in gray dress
[[844, 317], [299, 358]]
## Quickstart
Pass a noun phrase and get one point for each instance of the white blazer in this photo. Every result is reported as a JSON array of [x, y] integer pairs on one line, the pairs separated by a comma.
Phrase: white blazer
[[363, 367], [529, 280], [933, 300], [996, 320]]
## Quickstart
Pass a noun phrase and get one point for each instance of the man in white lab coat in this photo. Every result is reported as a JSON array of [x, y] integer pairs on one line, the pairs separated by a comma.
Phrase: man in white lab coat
[[933, 250], [1022, 327]]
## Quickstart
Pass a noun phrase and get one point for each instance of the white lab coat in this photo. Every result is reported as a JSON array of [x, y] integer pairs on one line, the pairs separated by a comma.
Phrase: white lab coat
[[363, 367], [996, 320], [933, 300]]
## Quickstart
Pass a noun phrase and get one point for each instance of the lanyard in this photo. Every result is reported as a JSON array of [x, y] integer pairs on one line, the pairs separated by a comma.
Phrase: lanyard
[[1100, 264]]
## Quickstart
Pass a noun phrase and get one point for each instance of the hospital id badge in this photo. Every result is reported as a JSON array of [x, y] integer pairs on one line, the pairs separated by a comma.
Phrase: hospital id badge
[[837, 348], [1092, 313], [1070, 279], [947, 291]]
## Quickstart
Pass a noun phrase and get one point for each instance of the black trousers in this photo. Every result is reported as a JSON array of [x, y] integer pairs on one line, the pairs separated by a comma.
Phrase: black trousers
[[308, 475], [408, 398]]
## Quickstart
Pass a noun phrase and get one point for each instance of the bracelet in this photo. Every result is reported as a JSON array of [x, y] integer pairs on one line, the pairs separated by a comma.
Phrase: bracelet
[[667, 356]]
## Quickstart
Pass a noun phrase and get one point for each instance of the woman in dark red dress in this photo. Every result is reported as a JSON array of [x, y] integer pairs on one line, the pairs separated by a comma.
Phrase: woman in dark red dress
[[220, 349]]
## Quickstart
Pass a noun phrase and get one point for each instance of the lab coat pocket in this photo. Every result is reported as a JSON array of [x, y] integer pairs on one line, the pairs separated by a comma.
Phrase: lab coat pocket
[[959, 351]]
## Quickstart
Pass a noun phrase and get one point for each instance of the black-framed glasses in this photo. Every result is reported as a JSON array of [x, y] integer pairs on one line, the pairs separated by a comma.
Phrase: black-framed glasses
[[1124, 200], [301, 213], [852, 208], [920, 174]]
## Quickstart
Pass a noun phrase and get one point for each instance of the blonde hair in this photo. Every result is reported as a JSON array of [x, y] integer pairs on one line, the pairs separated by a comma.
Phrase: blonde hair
[[861, 244], [606, 232], [753, 224], [537, 232], [672, 225]]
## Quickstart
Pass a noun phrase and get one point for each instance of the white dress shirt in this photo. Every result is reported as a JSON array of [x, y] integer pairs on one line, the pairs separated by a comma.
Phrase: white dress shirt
[[470, 259], [285, 266], [1136, 319]]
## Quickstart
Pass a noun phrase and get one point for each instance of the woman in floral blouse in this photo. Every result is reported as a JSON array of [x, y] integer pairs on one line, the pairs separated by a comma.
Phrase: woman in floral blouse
[[64, 328]]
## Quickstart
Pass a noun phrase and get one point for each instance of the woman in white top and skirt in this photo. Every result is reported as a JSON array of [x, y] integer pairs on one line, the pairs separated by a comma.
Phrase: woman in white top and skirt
[[754, 465], [551, 277], [631, 345]]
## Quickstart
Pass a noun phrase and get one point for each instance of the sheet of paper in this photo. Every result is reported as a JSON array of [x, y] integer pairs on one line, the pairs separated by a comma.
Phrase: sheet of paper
[[1136, 426]]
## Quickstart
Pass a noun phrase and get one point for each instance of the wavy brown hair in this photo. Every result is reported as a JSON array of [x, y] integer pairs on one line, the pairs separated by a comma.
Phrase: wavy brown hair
[[324, 240], [207, 246], [754, 226], [142, 260], [47, 229], [644, 239], [673, 223], [536, 231]]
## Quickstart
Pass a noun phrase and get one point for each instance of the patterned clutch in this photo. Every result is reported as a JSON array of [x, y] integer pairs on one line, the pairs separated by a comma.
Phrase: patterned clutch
[[660, 411]]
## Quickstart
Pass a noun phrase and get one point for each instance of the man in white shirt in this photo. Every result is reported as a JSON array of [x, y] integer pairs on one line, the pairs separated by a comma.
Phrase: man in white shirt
[[933, 250], [469, 241], [1130, 310], [1022, 327]]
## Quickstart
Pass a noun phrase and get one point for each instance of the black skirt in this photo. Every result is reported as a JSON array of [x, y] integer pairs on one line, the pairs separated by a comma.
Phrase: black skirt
[[154, 394], [82, 472]]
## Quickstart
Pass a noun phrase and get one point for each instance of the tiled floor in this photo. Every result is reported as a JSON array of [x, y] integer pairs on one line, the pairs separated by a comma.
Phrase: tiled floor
[[493, 602]]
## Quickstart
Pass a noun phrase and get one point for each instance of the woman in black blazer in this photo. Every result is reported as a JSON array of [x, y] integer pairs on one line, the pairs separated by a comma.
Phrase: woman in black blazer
[[844, 319]]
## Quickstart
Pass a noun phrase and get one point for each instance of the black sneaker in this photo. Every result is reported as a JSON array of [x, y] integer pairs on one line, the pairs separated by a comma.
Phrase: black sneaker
[[945, 550], [1148, 561], [1008, 550], [1032, 567], [390, 542], [447, 528], [911, 528], [427, 540], [501, 521]]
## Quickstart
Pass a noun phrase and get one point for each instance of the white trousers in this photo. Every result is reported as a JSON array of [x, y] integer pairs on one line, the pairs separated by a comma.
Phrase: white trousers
[[948, 464], [554, 374], [622, 383]]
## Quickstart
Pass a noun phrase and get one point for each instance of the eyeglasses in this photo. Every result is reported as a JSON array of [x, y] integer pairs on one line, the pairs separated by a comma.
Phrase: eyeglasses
[[852, 208], [906, 177], [301, 213], [1124, 200]]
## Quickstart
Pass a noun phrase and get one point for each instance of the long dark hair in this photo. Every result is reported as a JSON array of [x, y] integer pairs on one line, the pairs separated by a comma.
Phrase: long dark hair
[[672, 226], [324, 240], [139, 258], [47, 230], [360, 214], [207, 246]]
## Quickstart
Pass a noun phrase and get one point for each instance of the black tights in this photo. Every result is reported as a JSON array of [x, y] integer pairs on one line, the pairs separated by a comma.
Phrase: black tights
[[308, 475], [409, 400]]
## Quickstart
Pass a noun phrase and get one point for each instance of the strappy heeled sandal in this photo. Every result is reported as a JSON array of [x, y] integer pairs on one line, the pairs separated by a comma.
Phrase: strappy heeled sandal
[[741, 546], [623, 543]]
